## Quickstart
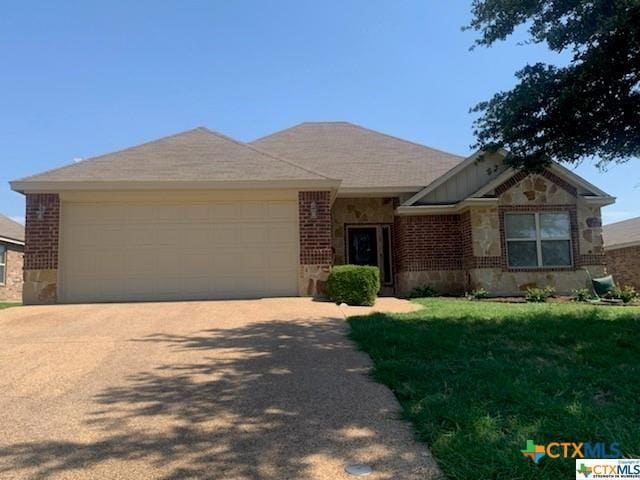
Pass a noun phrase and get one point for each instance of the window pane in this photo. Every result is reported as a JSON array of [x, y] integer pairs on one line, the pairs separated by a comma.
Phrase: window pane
[[554, 225], [522, 254], [2, 255], [1, 273], [520, 226], [556, 252]]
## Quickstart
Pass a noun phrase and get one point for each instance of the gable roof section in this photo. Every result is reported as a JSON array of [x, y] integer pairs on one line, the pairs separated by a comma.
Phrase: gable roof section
[[504, 175], [622, 234], [198, 155], [11, 230], [361, 158], [472, 172]]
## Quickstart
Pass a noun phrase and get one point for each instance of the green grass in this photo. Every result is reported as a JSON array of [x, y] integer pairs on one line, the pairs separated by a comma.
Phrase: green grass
[[9, 304], [478, 379]]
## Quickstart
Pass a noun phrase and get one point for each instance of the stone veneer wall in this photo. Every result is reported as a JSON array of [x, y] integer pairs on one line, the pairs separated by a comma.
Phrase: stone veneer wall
[[314, 218], [351, 211], [624, 265], [428, 251], [41, 249], [12, 288], [484, 237]]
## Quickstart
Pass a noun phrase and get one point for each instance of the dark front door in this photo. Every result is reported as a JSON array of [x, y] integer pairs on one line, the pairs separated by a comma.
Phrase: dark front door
[[363, 246]]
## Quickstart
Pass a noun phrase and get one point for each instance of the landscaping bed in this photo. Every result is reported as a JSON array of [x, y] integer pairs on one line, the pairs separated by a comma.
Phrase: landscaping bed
[[479, 379]]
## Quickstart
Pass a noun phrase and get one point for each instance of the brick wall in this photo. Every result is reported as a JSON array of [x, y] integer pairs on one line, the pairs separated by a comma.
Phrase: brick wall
[[314, 210], [12, 288], [41, 231], [624, 265], [428, 242]]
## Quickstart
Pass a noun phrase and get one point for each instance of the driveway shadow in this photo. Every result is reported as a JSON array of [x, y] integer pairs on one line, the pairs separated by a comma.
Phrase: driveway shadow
[[271, 400]]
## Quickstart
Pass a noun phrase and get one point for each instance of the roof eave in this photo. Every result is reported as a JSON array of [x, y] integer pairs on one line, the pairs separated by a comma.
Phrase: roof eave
[[15, 241], [449, 208], [33, 186], [619, 246], [376, 191]]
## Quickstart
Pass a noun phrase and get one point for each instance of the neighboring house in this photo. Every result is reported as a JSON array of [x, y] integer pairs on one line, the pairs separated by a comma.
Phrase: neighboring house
[[11, 251], [198, 215], [622, 249]]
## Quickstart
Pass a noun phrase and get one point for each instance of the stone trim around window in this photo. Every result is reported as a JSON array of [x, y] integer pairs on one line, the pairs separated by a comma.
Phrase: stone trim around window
[[575, 237], [521, 175]]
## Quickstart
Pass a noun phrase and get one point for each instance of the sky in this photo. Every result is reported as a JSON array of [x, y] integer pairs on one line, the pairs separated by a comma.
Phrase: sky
[[78, 79]]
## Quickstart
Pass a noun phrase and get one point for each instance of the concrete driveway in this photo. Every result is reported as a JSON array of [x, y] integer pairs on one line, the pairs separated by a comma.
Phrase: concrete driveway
[[256, 389]]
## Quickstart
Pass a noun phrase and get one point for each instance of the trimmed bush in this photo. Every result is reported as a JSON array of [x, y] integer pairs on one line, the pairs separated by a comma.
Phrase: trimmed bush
[[539, 295], [581, 295], [424, 292], [478, 294], [354, 284], [626, 293]]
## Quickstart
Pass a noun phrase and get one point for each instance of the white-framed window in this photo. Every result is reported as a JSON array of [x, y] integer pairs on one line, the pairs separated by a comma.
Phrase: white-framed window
[[3, 264], [538, 240]]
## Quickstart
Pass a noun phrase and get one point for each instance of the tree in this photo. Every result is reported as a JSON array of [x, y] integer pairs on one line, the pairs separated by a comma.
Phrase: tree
[[589, 108]]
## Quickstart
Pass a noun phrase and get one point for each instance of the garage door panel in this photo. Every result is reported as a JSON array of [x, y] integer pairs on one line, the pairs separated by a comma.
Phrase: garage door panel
[[140, 235], [252, 234], [140, 262], [224, 211], [198, 250], [281, 232], [282, 210], [82, 263], [252, 211]]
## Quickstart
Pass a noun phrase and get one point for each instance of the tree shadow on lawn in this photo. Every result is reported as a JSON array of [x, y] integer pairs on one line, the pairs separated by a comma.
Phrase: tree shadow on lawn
[[272, 400], [477, 385]]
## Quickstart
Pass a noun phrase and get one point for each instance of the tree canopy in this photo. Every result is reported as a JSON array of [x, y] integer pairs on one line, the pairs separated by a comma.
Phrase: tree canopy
[[588, 108]]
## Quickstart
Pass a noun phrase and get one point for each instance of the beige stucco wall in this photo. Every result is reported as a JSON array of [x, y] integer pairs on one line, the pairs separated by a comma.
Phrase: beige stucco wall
[[353, 211], [444, 281]]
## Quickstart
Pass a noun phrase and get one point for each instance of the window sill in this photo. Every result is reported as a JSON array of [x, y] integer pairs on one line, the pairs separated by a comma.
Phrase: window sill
[[571, 268]]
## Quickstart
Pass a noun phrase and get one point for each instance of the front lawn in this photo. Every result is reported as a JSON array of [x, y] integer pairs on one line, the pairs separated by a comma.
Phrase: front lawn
[[478, 379], [9, 304]]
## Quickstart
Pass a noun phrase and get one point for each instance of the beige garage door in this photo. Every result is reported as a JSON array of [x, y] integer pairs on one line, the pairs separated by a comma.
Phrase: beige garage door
[[138, 251]]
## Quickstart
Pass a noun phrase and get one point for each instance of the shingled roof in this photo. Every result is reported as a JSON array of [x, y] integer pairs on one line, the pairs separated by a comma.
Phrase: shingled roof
[[11, 229], [360, 157], [622, 233], [195, 155]]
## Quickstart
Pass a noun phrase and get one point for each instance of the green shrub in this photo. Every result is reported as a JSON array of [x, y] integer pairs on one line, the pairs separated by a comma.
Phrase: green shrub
[[478, 294], [626, 293], [354, 284], [581, 295], [535, 294], [424, 292]]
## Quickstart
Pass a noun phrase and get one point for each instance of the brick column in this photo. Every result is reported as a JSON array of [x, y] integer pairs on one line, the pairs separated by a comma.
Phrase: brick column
[[314, 211], [42, 221]]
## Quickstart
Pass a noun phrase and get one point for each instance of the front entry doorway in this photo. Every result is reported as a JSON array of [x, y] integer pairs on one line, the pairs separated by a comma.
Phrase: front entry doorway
[[371, 245]]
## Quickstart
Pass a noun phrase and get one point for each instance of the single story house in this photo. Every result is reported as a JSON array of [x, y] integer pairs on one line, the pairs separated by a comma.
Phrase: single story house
[[11, 252], [199, 215], [622, 250]]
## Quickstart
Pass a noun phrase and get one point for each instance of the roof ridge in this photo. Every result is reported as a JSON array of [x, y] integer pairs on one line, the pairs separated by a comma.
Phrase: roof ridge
[[462, 157], [285, 160], [267, 154], [406, 141], [120, 150]]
